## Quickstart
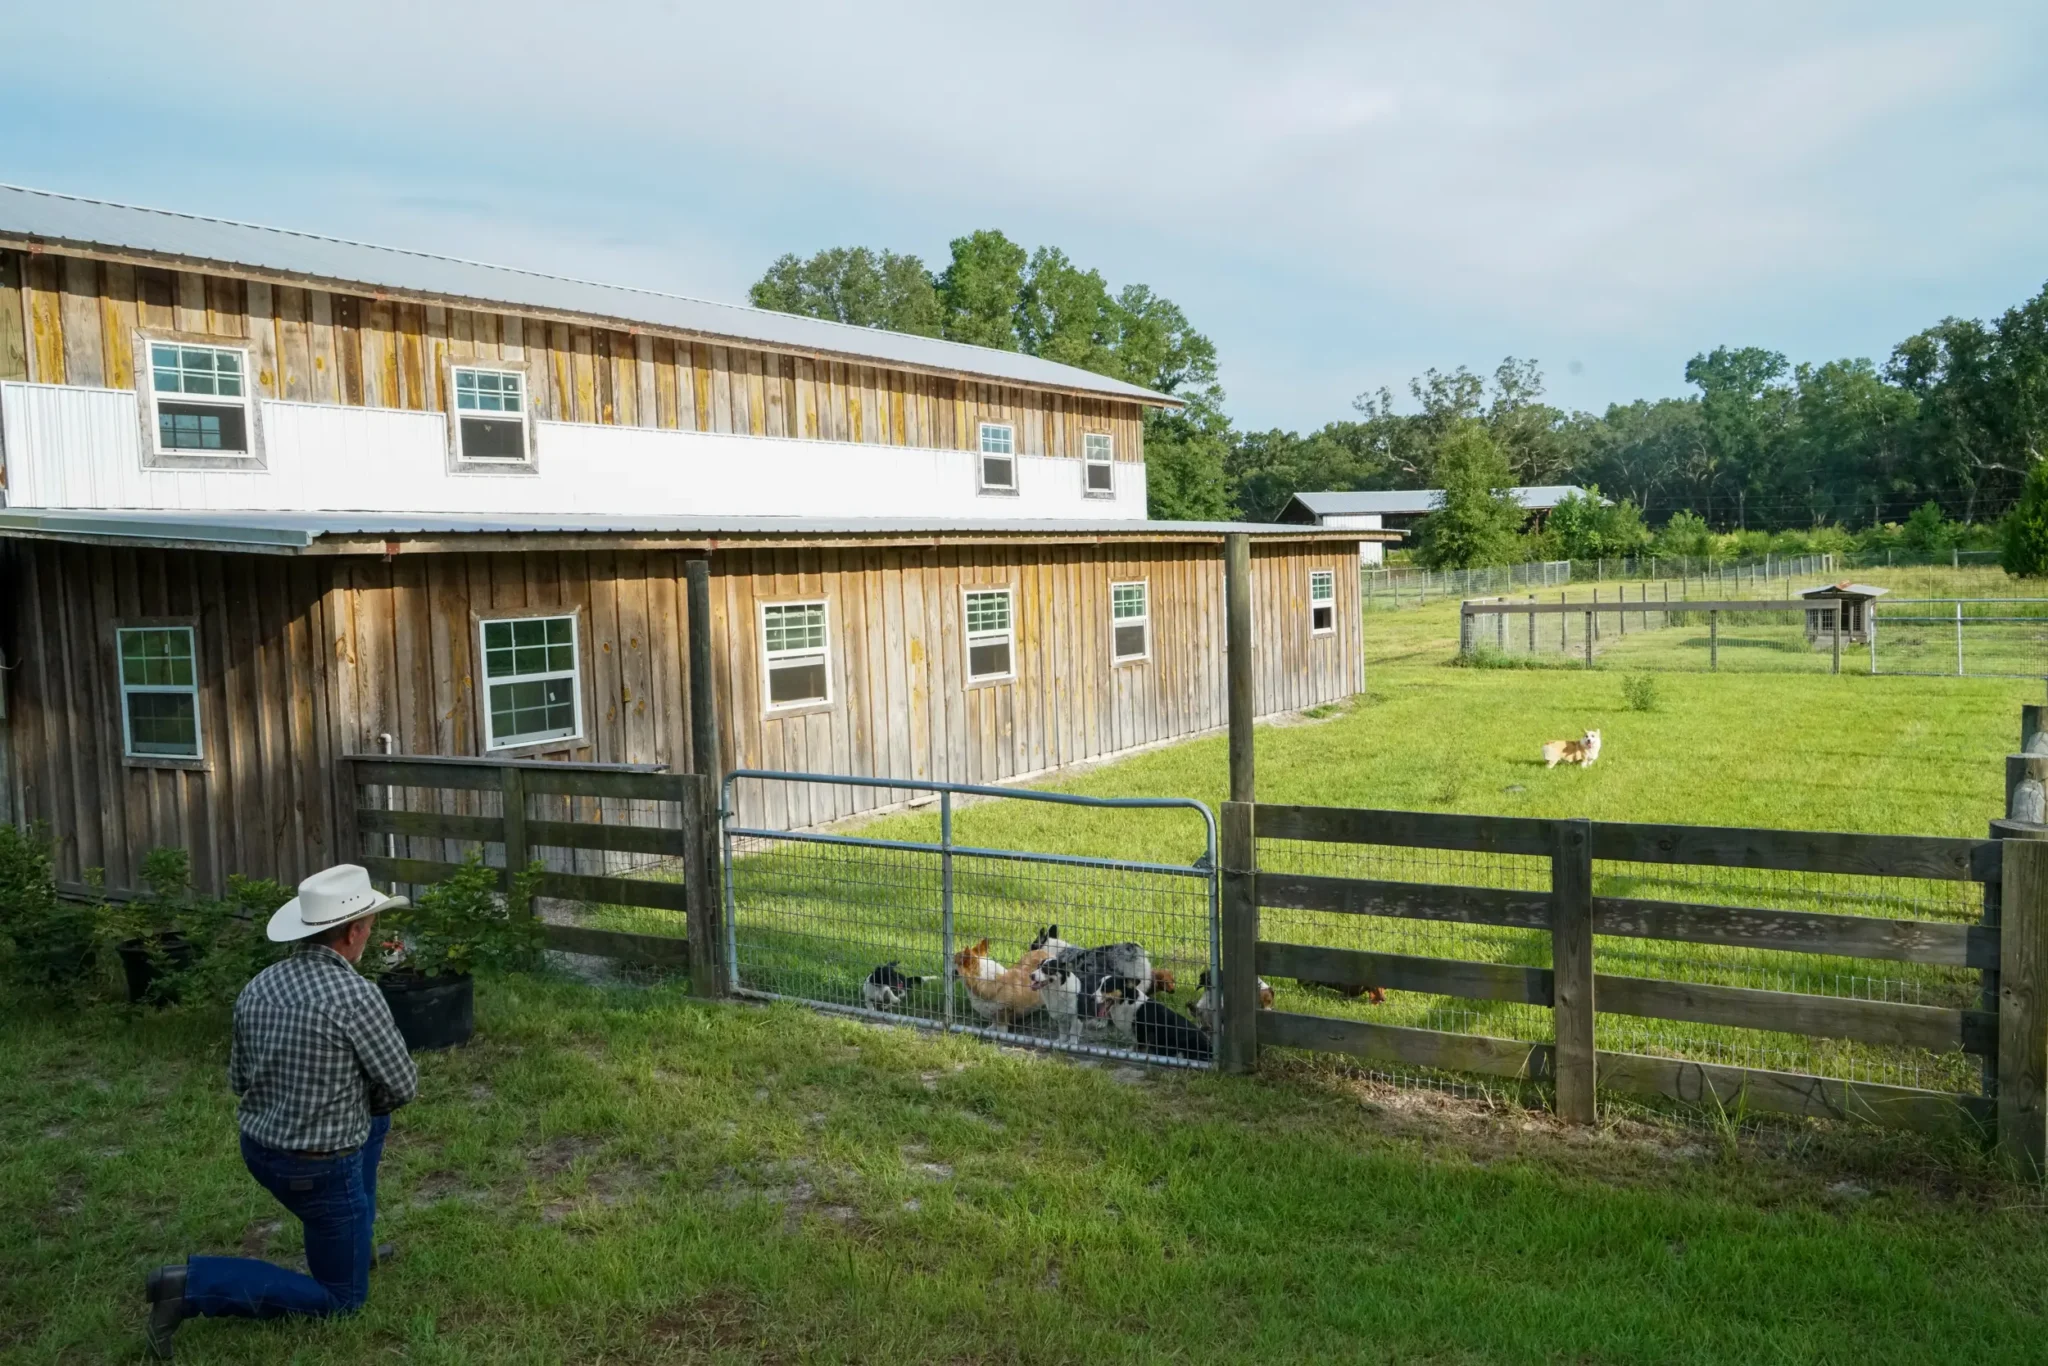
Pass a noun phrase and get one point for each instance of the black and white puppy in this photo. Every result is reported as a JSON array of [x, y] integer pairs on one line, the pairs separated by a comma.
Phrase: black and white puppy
[[1206, 1003], [1154, 1028], [1093, 965], [888, 986]]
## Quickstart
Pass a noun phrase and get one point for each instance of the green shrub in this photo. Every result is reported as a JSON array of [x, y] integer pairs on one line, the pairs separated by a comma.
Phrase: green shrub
[[50, 941], [2025, 552], [461, 924], [1639, 692]]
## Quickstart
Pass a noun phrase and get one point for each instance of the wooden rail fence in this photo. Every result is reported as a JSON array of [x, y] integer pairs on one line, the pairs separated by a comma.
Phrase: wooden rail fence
[[692, 838], [2010, 1027]]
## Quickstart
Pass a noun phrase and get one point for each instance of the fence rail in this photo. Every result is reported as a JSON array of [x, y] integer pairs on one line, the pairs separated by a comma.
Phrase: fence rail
[[1554, 864]]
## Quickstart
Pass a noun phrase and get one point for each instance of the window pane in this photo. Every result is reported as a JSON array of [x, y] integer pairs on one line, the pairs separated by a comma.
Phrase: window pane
[[543, 709], [1101, 478], [1127, 599], [984, 661], [163, 357], [1095, 446], [493, 439], [202, 427], [997, 472], [1130, 641], [497, 635], [797, 681], [794, 626], [1322, 585], [996, 440], [163, 723], [988, 612], [1323, 618], [158, 657]]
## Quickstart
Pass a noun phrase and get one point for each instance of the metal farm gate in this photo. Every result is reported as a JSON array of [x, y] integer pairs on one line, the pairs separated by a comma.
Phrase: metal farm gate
[[870, 924]]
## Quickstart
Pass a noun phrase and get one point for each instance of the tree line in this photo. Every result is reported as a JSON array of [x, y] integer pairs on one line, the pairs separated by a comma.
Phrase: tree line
[[1947, 428]]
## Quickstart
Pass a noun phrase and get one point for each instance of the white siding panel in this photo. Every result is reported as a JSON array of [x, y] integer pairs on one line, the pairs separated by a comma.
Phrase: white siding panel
[[74, 447]]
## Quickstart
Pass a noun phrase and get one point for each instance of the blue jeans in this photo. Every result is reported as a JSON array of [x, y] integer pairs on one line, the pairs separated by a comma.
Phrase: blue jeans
[[336, 1199]]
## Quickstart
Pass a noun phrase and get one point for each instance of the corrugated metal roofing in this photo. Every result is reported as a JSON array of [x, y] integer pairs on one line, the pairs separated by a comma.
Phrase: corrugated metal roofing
[[1845, 589], [301, 530], [62, 219], [1400, 502]]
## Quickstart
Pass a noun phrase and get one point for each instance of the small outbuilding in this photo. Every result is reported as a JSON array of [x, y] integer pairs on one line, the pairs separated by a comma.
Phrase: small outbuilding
[[1853, 600]]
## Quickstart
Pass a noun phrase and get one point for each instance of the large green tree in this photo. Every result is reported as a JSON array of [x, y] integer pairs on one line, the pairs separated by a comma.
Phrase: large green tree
[[1478, 524], [2025, 552], [854, 285]]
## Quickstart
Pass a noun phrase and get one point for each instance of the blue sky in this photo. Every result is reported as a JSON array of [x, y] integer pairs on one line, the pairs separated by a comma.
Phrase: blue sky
[[1339, 195]]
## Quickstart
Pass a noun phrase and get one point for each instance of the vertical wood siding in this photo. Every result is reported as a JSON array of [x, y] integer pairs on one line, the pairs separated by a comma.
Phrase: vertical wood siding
[[68, 320], [304, 659]]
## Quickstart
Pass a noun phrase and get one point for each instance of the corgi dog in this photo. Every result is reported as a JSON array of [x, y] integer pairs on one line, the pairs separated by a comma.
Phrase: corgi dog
[[998, 994], [1206, 1003], [1580, 752], [1154, 1028], [888, 986], [1059, 986], [1092, 965]]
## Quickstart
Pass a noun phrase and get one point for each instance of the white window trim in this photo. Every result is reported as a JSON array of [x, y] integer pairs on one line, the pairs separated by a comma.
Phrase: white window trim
[[1089, 462], [574, 674], [969, 638], [1315, 602], [1143, 619], [770, 657], [160, 456], [982, 452], [128, 750], [521, 462]]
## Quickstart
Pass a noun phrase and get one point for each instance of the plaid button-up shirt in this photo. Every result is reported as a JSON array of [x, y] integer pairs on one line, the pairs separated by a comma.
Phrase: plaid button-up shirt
[[316, 1053]]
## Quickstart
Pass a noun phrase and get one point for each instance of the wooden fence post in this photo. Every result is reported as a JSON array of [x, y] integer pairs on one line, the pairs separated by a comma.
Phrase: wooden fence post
[[2033, 728], [1571, 960], [704, 882], [512, 781], [1242, 697], [1713, 641], [2023, 1005], [1238, 1048], [704, 755], [348, 840], [2026, 788], [1589, 639]]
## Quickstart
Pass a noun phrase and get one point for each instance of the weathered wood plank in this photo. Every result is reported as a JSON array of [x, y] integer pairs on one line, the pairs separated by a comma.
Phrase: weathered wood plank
[[376, 769], [13, 319], [1407, 900], [1407, 972], [615, 891], [1398, 1043], [1841, 936], [652, 950], [1571, 950], [1242, 954], [1889, 1023], [562, 780], [1912, 856], [616, 838], [2023, 1006], [430, 825], [1408, 829]]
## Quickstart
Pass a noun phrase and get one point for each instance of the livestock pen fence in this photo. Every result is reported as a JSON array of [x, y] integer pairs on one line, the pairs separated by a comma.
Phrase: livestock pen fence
[[1639, 627], [1891, 979]]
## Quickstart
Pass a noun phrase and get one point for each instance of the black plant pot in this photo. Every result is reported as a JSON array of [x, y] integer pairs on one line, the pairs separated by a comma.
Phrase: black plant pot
[[432, 1012], [145, 962]]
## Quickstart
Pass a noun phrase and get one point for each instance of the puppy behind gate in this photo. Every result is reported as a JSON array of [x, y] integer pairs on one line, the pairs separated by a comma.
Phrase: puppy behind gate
[[888, 986]]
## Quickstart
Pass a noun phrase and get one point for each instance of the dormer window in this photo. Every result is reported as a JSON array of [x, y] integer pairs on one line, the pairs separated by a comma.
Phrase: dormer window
[[201, 397], [490, 416], [998, 458]]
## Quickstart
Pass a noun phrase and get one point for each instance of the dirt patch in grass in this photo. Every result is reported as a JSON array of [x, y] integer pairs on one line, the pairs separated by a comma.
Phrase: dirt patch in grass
[[716, 1321]]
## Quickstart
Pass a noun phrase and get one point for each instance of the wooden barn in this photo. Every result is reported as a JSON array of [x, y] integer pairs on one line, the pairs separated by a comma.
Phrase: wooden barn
[[273, 499]]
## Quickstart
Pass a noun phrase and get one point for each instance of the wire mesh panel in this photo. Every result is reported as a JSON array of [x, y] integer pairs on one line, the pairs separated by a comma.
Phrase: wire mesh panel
[[1093, 954]]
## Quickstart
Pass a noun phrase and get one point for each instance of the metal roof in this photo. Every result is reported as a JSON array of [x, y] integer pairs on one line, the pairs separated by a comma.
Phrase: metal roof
[[1401, 502], [300, 531], [1844, 590], [63, 220]]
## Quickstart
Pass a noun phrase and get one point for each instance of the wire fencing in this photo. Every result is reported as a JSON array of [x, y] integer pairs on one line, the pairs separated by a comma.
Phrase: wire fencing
[[946, 935]]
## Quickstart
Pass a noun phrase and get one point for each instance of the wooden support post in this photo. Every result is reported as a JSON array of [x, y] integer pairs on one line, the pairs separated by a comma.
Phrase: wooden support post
[[2033, 728], [1713, 640], [1841, 610], [1238, 1048], [1465, 629], [704, 755], [1532, 625], [1571, 961], [704, 885], [1500, 632], [2023, 1005], [1959, 639], [1237, 633], [1870, 630], [2026, 788], [512, 781]]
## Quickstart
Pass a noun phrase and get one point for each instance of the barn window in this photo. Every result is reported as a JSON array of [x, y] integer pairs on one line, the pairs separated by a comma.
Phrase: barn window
[[794, 641], [201, 395], [490, 415], [989, 634], [1130, 622], [530, 681], [998, 458], [1322, 601], [1098, 465], [159, 692]]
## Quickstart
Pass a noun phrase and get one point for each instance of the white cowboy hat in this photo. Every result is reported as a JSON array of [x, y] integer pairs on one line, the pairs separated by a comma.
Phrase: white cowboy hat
[[329, 898]]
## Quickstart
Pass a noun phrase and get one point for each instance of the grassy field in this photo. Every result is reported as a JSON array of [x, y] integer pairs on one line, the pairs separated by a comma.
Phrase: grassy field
[[625, 1176]]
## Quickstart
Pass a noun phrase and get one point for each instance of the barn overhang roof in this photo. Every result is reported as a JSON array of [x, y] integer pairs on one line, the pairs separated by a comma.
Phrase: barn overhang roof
[[386, 533]]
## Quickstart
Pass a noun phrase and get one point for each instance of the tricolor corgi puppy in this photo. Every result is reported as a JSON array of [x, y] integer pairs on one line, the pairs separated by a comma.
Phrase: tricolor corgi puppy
[[1580, 752], [1154, 1028], [1092, 965], [888, 986], [1059, 986], [1206, 1003], [998, 994]]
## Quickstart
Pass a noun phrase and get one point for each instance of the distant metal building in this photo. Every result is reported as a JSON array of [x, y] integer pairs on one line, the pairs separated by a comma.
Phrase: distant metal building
[[1380, 509]]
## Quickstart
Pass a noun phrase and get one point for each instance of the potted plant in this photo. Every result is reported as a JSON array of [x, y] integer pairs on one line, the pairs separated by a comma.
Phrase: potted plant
[[49, 941], [156, 952], [425, 954]]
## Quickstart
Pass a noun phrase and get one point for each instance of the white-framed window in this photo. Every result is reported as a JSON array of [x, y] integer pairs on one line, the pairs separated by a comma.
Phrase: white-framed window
[[490, 415], [990, 634], [1322, 601], [795, 647], [1098, 465], [998, 458], [1130, 622], [200, 397], [159, 691], [532, 692]]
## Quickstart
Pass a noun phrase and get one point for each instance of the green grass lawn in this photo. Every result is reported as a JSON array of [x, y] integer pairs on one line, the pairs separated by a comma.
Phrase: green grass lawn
[[627, 1176]]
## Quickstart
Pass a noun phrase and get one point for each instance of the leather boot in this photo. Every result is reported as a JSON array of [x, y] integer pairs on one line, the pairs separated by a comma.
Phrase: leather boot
[[165, 1290]]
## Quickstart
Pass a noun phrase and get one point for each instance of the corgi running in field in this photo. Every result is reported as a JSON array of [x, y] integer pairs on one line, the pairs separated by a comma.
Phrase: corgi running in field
[[1580, 752]]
